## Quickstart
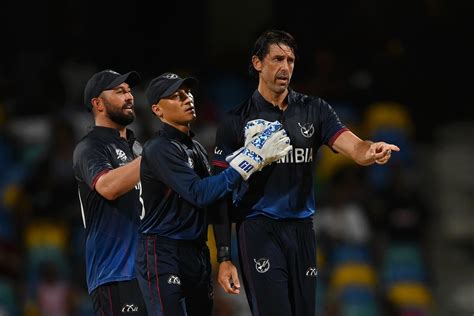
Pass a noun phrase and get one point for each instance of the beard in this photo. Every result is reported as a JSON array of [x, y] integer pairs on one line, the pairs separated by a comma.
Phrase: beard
[[118, 116]]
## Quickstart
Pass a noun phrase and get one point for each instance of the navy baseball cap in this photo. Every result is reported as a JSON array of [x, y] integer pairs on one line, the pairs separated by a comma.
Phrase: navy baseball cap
[[165, 85], [106, 80]]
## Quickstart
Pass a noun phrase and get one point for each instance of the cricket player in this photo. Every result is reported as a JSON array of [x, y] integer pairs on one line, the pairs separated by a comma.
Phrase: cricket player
[[274, 209], [173, 262], [106, 165]]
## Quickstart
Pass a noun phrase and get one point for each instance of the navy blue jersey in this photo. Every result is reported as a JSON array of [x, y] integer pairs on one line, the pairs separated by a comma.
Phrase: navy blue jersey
[[284, 189], [111, 226], [174, 173]]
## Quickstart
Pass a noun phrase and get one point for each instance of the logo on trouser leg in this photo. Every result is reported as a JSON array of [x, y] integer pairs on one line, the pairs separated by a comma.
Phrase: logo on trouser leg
[[311, 272], [173, 279], [262, 265], [129, 308]]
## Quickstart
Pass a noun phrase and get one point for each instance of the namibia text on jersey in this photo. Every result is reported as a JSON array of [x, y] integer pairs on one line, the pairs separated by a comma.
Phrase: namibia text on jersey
[[298, 155]]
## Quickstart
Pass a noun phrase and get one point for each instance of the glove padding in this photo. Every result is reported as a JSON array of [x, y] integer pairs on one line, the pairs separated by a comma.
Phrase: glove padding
[[254, 127], [264, 148]]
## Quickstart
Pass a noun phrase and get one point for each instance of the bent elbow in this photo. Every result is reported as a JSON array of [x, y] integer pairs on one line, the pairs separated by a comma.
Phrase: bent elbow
[[110, 196], [107, 193]]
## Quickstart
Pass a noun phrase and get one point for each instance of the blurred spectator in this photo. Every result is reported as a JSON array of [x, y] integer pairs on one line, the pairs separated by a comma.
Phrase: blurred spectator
[[390, 121], [8, 298], [53, 293], [51, 183], [343, 220]]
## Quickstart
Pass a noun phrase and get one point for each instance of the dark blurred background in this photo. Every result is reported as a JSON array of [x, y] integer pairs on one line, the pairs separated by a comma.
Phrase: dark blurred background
[[392, 240]]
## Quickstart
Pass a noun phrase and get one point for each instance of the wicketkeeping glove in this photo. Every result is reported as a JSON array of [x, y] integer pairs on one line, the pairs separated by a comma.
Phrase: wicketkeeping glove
[[266, 147], [252, 128]]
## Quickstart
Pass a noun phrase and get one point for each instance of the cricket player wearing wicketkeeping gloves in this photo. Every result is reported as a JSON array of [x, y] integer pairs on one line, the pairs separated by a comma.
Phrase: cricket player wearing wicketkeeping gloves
[[274, 209], [173, 262]]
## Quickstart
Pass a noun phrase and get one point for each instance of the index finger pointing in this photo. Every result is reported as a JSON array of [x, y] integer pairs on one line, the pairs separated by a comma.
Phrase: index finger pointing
[[394, 148]]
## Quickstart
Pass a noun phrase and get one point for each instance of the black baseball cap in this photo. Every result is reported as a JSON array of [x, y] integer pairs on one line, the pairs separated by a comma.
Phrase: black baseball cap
[[106, 80], [165, 85]]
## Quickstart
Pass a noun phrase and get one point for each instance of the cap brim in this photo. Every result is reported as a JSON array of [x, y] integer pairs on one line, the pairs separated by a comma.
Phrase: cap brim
[[190, 82], [132, 78]]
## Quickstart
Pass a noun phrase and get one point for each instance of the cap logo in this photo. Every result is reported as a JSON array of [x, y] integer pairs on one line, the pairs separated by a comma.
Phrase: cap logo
[[171, 76], [112, 72]]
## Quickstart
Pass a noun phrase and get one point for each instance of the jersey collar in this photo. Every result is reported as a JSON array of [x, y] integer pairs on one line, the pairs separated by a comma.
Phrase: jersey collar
[[264, 105], [172, 132], [113, 132]]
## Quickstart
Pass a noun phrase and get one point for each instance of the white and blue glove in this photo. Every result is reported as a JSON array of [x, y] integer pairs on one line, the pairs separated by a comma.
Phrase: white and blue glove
[[260, 150], [252, 128]]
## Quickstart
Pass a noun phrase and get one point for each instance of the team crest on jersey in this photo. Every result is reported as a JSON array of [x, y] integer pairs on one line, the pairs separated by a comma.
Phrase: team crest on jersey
[[121, 154], [307, 129], [262, 265], [174, 279]]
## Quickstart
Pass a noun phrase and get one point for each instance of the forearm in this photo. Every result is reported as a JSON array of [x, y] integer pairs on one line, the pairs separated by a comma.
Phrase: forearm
[[222, 230], [210, 189], [221, 224], [119, 181], [222, 236], [362, 154]]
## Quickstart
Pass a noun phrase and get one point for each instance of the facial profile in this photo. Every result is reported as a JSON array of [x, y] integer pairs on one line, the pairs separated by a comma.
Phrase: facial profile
[[119, 104], [177, 108]]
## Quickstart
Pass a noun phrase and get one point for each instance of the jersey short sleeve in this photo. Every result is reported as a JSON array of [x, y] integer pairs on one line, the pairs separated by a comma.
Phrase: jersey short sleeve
[[331, 125], [90, 162]]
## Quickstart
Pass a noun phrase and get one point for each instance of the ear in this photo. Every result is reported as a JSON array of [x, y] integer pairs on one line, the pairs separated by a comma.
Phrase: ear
[[97, 104], [156, 109], [257, 63]]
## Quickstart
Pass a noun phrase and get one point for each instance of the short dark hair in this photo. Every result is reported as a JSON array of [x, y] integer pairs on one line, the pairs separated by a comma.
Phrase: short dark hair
[[265, 40]]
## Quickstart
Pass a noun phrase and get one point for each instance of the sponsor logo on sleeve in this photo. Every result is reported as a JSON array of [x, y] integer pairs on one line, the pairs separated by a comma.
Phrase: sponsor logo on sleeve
[[217, 151], [121, 155]]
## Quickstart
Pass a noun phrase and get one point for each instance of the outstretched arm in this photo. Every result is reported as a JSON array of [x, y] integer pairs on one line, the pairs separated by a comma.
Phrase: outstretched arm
[[363, 152]]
